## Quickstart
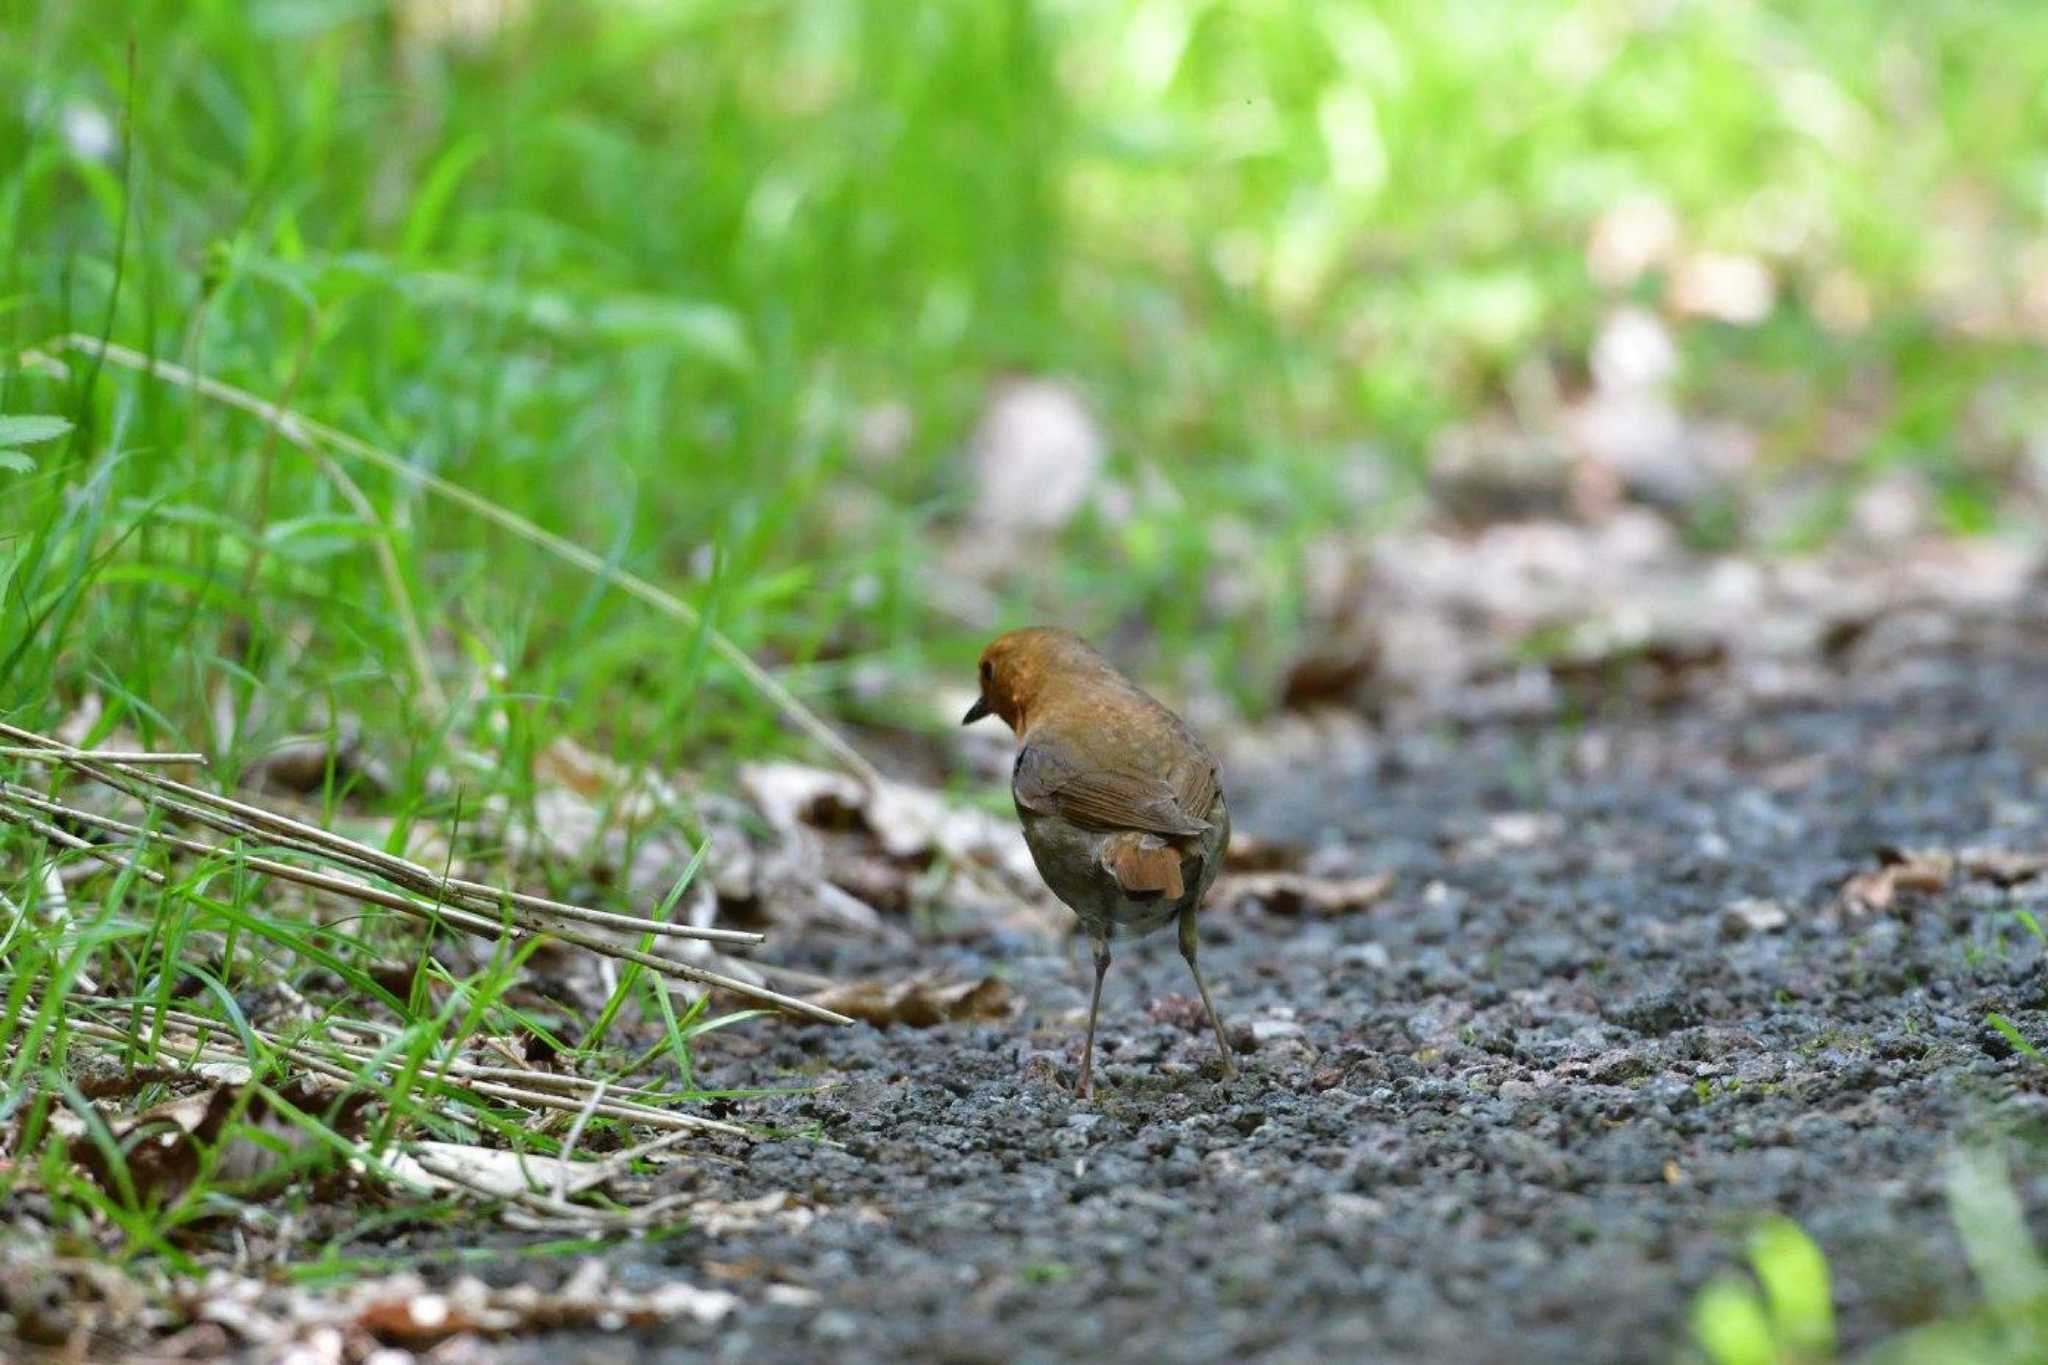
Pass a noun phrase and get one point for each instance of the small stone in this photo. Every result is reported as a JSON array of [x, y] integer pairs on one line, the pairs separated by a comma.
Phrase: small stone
[[1041, 1068], [1615, 1068], [1752, 916], [1344, 1209], [835, 1325], [1372, 956], [1517, 1091], [1653, 1012]]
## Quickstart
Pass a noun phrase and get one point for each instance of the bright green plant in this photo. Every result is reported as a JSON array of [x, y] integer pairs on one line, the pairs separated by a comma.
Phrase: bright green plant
[[1780, 1314]]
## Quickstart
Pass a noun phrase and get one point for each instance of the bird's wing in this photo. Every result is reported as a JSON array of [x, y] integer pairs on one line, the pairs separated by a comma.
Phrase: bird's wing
[[1051, 781]]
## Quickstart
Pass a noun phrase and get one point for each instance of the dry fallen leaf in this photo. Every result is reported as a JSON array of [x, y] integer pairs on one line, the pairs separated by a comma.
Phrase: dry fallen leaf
[[919, 1002], [910, 823], [1752, 916], [54, 1300], [402, 1311], [492, 1170], [162, 1148], [1919, 870], [1250, 853], [1298, 893], [1335, 674], [842, 850], [305, 764], [1868, 893], [2006, 867], [717, 1218]]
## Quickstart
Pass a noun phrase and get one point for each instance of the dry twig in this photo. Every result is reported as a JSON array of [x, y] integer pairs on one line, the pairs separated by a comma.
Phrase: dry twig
[[474, 907]]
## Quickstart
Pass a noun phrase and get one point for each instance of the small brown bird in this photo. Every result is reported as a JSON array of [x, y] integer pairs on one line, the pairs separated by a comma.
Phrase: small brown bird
[[1122, 805]]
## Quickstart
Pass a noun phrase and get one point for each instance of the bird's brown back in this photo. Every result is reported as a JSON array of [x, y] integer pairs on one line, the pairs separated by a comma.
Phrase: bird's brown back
[[1111, 757]]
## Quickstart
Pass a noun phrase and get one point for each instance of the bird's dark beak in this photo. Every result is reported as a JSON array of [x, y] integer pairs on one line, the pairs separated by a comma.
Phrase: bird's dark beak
[[976, 711]]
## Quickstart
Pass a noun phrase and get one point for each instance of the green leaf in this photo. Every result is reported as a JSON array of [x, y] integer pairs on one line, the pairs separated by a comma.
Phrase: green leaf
[[26, 430], [2013, 1035], [1794, 1274], [1993, 1227], [1730, 1326], [16, 461]]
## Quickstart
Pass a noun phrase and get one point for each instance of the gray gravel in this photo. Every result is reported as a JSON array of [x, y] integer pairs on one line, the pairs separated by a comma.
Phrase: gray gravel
[[1520, 1109]]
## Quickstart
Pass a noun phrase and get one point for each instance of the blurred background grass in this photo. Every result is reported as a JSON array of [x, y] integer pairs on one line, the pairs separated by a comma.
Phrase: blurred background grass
[[722, 290]]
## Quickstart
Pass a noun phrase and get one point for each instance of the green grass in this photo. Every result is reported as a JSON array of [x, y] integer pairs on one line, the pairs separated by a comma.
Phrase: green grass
[[645, 273], [1781, 1312], [639, 271]]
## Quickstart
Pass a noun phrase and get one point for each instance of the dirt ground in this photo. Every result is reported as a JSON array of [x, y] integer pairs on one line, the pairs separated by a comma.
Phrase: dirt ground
[[1641, 977]]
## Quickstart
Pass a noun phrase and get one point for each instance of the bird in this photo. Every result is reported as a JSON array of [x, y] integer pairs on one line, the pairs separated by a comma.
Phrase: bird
[[1121, 802]]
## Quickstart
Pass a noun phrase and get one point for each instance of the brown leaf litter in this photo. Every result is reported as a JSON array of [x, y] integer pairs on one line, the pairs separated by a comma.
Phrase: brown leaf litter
[[1526, 618], [403, 1311], [1927, 871], [1299, 893], [236, 1132], [920, 1002]]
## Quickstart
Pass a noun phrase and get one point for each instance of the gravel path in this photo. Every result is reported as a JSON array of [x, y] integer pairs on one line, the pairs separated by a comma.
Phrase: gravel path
[[1616, 1005]]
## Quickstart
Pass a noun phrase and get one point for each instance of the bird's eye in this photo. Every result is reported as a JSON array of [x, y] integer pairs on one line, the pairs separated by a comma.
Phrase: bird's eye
[[988, 670]]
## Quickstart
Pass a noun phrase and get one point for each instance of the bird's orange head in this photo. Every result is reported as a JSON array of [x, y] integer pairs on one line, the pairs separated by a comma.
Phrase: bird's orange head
[[1018, 667]]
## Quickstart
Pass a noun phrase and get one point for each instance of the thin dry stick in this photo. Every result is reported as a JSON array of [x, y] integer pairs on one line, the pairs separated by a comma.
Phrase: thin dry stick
[[476, 924], [622, 1161], [479, 925], [225, 1046], [60, 753], [749, 975], [792, 976], [23, 796], [548, 1210], [574, 1136], [111, 856], [15, 921], [541, 1080], [224, 1051], [534, 1080], [312, 838], [298, 428], [653, 1214], [617, 1109]]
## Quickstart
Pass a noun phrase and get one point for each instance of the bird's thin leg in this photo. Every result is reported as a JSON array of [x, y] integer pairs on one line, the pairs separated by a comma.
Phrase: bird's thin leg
[[1187, 950], [1087, 1087]]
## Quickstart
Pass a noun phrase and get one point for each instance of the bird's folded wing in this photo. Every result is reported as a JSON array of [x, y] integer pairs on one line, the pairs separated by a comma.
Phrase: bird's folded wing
[[1051, 781]]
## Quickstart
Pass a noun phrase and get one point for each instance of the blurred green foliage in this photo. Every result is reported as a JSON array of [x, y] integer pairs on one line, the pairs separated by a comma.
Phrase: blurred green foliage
[[669, 276]]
